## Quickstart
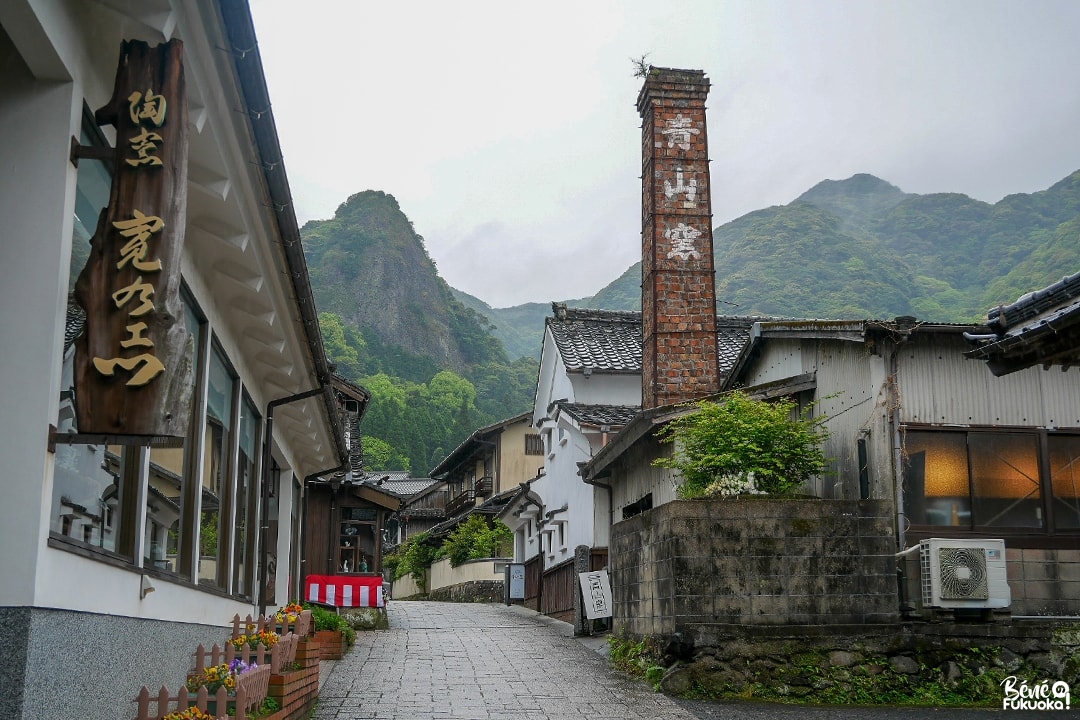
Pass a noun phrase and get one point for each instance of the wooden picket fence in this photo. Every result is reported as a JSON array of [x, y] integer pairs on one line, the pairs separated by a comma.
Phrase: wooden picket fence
[[279, 658], [301, 627], [253, 686], [166, 703]]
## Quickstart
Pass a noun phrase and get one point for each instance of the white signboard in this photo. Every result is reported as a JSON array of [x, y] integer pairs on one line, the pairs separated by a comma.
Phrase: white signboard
[[517, 581], [596, 590]]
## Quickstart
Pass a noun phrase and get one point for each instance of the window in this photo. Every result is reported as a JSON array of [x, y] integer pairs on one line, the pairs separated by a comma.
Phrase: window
[[170, 500], [272, 529], [993, 480], [92, 188], [213, 525], [247, 501], [356, 540], [534, 444], [1064, 451], [636, 508], [89, 491]]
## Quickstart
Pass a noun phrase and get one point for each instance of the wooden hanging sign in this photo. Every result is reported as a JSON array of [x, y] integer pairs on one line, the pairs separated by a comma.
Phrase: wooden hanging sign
[[133, 362]]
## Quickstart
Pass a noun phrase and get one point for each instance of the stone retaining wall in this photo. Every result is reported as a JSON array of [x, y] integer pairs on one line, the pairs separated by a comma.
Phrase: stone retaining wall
[[486, 591], [691, 564], [804, 660]]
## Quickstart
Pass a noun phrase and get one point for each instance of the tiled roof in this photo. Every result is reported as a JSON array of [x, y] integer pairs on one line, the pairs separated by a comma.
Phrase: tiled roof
[[732, 332], [597, 340], [404, 487], [1040, 328], [614, 415], [610, 341]]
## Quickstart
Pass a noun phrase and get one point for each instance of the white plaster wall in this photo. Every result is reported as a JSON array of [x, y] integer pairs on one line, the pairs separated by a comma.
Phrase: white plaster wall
[[442, 575], [607, 389], [36, 203], [62, 575]]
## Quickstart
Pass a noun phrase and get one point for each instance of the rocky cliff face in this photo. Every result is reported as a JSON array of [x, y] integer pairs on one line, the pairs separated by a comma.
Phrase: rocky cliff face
[[369, 266]]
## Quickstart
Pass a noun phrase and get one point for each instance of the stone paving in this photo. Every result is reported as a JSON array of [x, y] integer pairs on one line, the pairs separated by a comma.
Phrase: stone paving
[[441, 661], [480, 662]]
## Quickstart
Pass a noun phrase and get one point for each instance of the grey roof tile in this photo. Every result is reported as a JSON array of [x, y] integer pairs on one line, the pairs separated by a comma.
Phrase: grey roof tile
[[615, 415], [597, 340], [610, 340]]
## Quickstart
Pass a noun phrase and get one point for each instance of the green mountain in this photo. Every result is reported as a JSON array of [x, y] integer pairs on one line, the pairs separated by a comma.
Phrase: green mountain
[[441, 363], [863, 248], [390, 323]]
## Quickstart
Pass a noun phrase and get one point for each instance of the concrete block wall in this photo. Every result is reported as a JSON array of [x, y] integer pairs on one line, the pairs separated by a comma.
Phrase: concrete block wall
[[754, 561], [1044, 582]]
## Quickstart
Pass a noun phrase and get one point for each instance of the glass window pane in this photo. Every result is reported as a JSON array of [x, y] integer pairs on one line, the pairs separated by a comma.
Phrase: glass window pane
[[246, 501], [88, 495], [936, 489], [164, 499], [1065, 478], [213, 534], [1005, 480], [92, 188]]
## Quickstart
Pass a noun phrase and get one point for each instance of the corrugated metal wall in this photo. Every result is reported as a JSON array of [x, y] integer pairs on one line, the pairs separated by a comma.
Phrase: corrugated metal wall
[[939, 385]]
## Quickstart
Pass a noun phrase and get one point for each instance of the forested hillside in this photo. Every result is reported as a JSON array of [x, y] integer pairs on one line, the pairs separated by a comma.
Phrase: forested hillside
[[437, 360], [862, 248]]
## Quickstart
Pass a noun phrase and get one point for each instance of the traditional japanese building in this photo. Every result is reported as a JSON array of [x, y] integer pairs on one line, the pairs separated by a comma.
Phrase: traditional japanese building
[[166, 394]]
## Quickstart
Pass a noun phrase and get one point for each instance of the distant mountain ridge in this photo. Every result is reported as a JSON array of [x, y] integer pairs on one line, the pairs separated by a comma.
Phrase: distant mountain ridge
[[863, 248], [441, 363]]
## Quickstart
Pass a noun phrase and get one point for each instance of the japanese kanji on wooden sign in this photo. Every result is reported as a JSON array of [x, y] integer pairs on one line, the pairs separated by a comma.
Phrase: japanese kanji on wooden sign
[[133, 362]]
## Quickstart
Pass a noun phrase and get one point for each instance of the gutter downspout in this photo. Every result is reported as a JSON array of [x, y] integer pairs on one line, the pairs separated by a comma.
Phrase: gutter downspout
[[610, 505], [264, 520]]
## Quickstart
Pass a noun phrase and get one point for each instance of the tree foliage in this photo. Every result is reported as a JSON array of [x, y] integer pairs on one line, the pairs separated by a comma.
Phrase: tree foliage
[[476, 538], [738, 444], [414, 558]]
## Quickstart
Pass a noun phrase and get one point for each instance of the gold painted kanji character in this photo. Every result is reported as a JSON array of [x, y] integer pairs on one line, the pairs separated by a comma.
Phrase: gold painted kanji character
[[138, 230], [151, 368], [147, 107], [143, 290], [136, 340], [144, 146]]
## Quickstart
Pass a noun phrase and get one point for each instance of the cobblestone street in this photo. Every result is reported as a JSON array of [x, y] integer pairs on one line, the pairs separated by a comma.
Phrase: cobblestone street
[[480, 662], [492, 662]]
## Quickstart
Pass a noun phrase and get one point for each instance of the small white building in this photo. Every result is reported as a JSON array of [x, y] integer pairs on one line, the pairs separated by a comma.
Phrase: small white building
[[589, 385], [119, 559]]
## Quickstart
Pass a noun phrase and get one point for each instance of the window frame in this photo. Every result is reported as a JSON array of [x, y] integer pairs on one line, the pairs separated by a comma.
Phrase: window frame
[[1048, 536]]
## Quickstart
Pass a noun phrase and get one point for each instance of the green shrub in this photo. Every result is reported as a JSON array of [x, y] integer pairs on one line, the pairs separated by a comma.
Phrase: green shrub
[[476, 538], [636, 656], [737, 445], [416, 557], [325, 619]]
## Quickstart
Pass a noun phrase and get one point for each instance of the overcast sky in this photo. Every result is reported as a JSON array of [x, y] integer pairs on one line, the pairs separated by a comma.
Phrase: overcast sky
[[507, 130]]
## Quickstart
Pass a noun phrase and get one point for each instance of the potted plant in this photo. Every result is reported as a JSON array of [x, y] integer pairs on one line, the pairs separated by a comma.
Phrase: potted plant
[[268, 639], [329, 631], [215, 677], [191, 713]]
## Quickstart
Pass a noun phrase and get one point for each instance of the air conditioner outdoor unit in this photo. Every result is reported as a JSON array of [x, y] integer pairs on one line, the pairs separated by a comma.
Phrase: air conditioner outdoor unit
[[959, 574]]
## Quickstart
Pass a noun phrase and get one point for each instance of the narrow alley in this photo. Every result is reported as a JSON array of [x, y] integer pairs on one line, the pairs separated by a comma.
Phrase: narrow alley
[[480, 662], [492, 662]]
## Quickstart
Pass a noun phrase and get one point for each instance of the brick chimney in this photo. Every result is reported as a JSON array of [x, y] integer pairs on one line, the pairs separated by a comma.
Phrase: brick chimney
[[678, 294]]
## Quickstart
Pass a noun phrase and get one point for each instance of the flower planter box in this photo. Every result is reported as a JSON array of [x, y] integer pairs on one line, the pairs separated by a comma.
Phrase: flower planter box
[[308, 652], [331, 644], [295, 691]]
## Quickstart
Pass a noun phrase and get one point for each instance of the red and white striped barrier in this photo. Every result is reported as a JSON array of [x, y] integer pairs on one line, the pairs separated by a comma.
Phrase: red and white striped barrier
[[345, 590]]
